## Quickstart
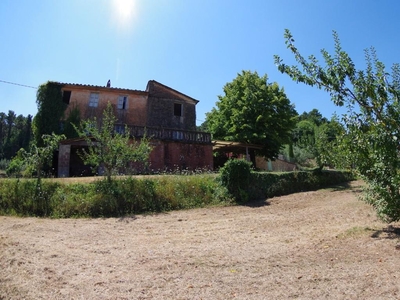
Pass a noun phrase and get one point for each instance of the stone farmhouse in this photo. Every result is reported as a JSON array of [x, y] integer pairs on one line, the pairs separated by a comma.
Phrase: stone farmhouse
[[165, 115]]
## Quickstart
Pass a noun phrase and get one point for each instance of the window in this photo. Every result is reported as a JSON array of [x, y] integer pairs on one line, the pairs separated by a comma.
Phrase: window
[[94, 100], [66, 96], [122, 102], [178, 109]]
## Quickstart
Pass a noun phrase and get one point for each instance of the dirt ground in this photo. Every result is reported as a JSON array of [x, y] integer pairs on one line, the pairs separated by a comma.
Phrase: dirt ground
[[313, 245]]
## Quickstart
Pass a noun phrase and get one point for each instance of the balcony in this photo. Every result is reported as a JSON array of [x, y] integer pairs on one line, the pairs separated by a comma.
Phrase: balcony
[[169, 134]]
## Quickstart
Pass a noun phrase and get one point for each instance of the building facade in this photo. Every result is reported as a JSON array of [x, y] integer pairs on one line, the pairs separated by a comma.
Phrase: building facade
[[166, 116]]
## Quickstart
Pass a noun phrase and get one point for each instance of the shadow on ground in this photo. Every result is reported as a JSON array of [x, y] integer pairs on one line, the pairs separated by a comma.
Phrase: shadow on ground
[[390, 232], [257, 203]]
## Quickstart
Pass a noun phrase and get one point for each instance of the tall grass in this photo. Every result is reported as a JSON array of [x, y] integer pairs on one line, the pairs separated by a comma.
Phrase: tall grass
[[100, 198]]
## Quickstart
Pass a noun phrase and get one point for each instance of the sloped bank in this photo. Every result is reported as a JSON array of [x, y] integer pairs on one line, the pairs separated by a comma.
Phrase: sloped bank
[[130, 195]]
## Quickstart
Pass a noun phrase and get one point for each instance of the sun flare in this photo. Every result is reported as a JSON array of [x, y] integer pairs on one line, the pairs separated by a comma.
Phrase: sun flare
[[124, 11]]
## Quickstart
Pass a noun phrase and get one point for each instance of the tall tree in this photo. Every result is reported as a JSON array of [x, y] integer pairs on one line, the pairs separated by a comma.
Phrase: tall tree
[[372, 131], [253, 111], [313, 116], [3, 134], [8, 145]]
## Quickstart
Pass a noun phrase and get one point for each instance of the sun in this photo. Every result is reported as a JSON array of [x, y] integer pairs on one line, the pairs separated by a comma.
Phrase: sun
[[124, 11]]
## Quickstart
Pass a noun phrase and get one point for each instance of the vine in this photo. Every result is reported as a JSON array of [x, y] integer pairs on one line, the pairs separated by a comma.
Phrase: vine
[[51, 110]]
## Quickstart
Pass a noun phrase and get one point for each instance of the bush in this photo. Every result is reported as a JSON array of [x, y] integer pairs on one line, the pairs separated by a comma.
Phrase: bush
[[266, 185], [15, 167], [235, 176]]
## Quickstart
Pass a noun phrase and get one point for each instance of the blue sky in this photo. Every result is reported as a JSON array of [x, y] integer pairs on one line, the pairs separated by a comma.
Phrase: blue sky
[[193, 46]]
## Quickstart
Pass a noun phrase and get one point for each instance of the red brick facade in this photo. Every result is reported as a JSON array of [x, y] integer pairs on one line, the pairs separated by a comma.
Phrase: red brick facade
[[168, 114]]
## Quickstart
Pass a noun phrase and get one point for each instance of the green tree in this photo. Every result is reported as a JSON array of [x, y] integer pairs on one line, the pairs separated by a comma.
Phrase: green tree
[[314, 139], [15, 133], [3, 134], [253, 111], [313, 116], [327, 137], [370, 142], [108, 148], [38, 158]]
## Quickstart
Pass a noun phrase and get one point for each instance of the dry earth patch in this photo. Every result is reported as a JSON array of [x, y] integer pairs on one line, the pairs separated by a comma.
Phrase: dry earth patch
[[311, 245]]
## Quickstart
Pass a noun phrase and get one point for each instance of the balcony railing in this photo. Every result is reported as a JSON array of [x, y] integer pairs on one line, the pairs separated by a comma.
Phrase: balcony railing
[[168, 134]]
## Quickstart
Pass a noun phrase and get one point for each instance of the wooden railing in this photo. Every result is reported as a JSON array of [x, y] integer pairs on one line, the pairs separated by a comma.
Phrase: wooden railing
[[169, 134]]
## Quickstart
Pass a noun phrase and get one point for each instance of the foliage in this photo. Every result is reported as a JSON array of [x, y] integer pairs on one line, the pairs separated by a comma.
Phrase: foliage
[[203, 127], [253, 111], [300, 156], [314, 116], [26, 197], [304, 135], [102, 198], [73, 120], [107, 148], [50, 111], [327, 143], [267, 185], [235, 176], [315, 138], [370, 142], [4, 163], [16, 166], [15, 133], [40, 157]]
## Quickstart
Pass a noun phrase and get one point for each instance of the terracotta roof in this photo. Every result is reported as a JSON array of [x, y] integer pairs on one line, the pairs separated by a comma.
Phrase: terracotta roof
[[104, 87], [99, 87]]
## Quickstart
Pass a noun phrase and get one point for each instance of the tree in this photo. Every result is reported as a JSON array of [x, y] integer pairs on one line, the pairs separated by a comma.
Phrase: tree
[[3, 133], [39, 157], [370, 142], [327, 137], [108, 148], [314, 138], [313, 116], [15, 133], [253, 111]]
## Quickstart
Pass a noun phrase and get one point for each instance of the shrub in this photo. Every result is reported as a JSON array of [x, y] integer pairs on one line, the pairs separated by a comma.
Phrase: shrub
[[235, 176], [265, 185], [15, 167]]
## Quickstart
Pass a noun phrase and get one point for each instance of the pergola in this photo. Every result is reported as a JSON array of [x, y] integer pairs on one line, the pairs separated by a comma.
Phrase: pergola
[[235, 147]]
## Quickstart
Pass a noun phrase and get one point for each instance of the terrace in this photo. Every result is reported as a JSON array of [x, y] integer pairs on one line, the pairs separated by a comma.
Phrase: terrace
[[167, 134]]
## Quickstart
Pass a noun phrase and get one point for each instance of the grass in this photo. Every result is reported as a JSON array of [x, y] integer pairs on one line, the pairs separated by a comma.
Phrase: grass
[[355, 231], [96, 197]]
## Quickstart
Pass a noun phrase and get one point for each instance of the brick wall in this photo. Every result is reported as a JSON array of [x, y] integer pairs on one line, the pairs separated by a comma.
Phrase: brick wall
[[160, 113], [174, 155]]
